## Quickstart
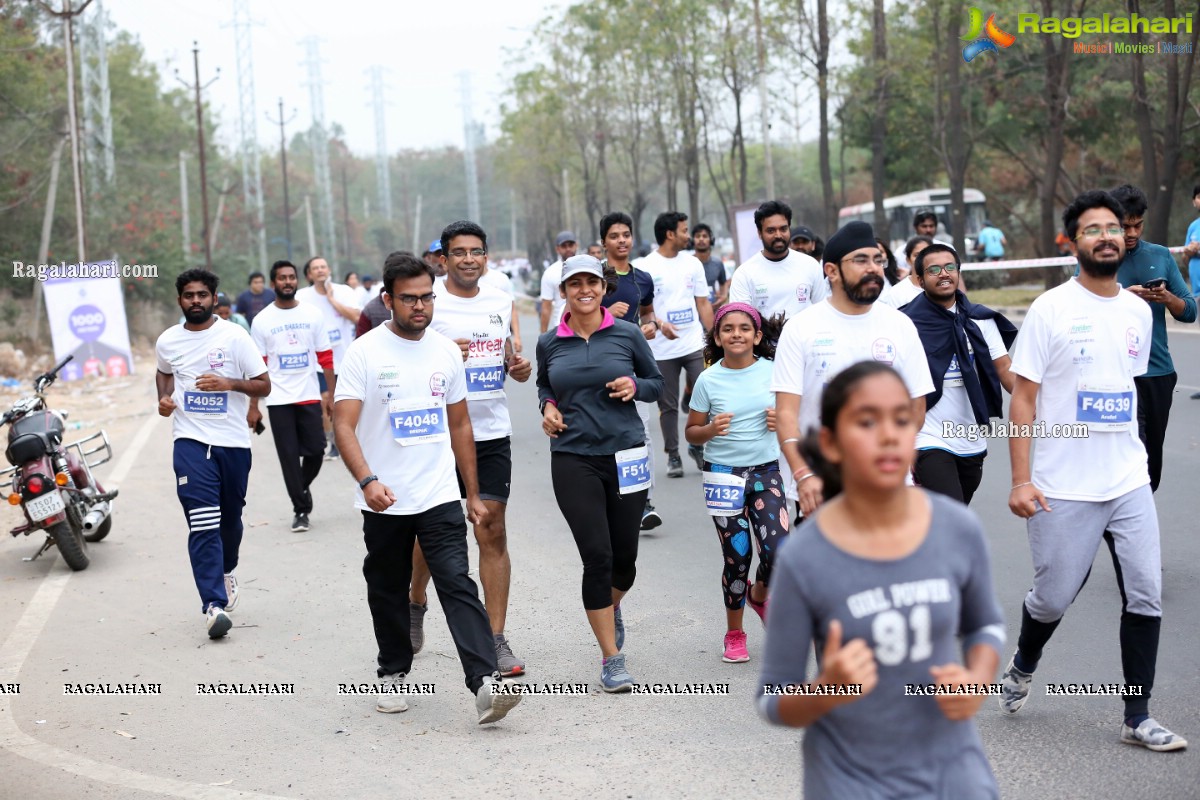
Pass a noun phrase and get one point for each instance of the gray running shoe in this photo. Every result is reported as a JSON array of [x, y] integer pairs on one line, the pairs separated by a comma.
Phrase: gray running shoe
[[508, 664], [416, 625], [613, 675], [390, 700], [1016, 685], [1153, 736], [697, 454], [492, 705], [674, 466]]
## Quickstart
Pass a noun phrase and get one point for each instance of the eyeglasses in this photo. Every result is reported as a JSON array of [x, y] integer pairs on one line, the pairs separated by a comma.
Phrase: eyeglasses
[[862, 261], [410, 300], [937, 270], [477, 252], [1095, 232]]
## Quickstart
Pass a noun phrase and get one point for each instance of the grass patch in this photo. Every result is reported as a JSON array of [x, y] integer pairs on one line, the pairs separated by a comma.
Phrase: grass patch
[[1004, 298]]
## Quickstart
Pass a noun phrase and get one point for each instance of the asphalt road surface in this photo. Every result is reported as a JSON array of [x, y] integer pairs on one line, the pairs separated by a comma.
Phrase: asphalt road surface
[[133, 617]]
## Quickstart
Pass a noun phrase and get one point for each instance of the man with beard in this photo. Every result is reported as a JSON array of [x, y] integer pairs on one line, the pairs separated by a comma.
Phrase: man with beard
[[1080, 348], [777, 279], [714, 268], [207, 368], [804, 240], [967, 348], [292, 339], [403, 428], [824, 339]]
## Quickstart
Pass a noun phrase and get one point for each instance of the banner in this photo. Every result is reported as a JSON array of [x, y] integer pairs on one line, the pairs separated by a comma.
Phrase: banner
[[87, 320]]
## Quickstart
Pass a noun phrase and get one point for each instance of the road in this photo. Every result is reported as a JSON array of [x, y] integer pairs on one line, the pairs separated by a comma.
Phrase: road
[[133, 616]]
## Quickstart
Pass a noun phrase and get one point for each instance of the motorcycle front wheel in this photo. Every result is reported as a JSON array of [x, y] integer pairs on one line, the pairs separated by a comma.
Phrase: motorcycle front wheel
[[71, 544]]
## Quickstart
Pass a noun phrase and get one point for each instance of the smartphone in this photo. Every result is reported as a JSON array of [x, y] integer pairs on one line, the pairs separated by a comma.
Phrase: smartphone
[[1157, 283], [259, 427]]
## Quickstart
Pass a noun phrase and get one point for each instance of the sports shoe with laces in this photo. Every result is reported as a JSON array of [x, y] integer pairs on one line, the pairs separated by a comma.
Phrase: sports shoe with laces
[[697, 454], [650, 518], [299, 523], [416, 625], [390, 699], [735, 648], [232, 593], [491, 704], [1016, 685], [1153, 736], [674, 466], [507, 664], [613, 675], [217, 622]]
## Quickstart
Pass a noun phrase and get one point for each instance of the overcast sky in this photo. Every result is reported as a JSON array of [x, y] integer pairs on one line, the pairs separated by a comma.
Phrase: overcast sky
[[423, 45]]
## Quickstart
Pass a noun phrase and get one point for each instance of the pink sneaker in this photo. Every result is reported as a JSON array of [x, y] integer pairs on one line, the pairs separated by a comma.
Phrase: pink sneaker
[[759, 608], [735, 648]]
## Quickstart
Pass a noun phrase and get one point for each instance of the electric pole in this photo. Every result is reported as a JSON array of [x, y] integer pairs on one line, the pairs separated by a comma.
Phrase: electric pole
[[287, 209], [200, 138]]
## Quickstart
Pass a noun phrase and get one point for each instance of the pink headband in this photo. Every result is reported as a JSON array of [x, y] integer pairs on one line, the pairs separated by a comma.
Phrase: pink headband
[[745, 308]]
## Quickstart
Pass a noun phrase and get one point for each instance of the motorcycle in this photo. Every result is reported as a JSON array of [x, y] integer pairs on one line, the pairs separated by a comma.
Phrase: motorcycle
[[53, 482]]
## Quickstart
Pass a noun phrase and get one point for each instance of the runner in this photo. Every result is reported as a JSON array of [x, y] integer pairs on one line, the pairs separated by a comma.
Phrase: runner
[[292, 339], [207, 368], [632, 301], [777, 279], [337, 303], [967, 391], [733, 417], [402, 413], [476, 318], [590, 368], [904, 290], [681, 299], [496, 279], [1080, 347], [551, 299], [714, 267], [847, 327], [877, 561]]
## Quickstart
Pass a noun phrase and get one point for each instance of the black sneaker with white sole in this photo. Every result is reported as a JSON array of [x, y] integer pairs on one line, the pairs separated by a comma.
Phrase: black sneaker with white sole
[[650, 518], [299, 523]]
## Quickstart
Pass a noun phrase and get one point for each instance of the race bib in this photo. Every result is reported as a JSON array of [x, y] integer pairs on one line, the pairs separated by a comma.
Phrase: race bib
[[418, 420], [633, 469], [954, 376], [293, 360], [485, 382], [211, 404], [335, 335], [684, 317], [724, 493], [1104, 406]]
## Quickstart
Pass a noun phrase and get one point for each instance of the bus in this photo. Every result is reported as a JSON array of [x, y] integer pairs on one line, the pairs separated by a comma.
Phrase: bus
[[901, 209]]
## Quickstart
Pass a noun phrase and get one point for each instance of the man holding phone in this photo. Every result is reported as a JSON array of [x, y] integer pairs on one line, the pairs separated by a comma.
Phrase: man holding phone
[[1150, 272]]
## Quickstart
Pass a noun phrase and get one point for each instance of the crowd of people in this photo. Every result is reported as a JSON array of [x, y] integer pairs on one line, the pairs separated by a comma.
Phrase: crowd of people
[[837, 403]]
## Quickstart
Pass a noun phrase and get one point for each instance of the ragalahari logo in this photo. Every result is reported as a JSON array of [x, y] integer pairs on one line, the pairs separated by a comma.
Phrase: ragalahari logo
[[984, 36]]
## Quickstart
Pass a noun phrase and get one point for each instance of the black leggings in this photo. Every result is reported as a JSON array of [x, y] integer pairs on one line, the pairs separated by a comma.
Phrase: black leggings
[[605, 523]]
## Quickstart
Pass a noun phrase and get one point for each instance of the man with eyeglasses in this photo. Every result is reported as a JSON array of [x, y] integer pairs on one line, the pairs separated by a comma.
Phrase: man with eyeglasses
[[403, 427], [967, 390], [477, 318], [829, 336], [1080, 348]]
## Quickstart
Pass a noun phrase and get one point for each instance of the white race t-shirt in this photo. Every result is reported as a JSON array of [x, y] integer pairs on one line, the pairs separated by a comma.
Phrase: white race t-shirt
[[955, 405], [900, 293], [224, 349], [551, 279], [1085, 350], [485, 320], [339, 329], [405, 387], [497, 280], [821, 341], [290, 338], [678, 282], [779, 287]]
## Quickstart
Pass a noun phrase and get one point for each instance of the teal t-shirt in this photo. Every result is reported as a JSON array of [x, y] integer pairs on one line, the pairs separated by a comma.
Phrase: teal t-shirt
[[745, 393]]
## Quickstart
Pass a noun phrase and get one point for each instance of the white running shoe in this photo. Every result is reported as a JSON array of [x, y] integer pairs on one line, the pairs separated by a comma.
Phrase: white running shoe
[[218, 622], [232, 593], [390, 700]]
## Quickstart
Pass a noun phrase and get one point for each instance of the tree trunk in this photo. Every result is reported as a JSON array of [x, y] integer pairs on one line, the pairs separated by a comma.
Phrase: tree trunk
[[1142, 114], [1058, 76], [1178, 86], [958, 148], [879, 121]]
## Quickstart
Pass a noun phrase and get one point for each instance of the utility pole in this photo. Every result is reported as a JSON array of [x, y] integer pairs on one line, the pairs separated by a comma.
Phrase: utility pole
[[97, 99], [200, 138], [287, 209], [66, 15], [312, 236], [183, 208], [566, 192], [319, 140], [417, 229], [383, 178], [763, 102]]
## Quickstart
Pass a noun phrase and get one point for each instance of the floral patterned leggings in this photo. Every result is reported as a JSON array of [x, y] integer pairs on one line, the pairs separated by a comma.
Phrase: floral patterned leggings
[[764, 519]]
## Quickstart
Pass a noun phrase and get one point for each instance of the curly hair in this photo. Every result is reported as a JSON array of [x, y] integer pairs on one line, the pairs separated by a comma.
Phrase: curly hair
[[771, 330]]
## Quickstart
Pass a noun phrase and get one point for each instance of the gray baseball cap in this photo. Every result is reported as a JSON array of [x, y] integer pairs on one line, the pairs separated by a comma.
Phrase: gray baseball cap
[[564, 237], [582, 263]]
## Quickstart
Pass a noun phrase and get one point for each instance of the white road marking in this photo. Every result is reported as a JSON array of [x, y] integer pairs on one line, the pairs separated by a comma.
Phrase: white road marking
[[16, 649]]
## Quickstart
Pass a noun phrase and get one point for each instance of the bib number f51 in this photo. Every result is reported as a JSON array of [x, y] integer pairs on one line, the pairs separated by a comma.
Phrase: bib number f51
[[633, 469]]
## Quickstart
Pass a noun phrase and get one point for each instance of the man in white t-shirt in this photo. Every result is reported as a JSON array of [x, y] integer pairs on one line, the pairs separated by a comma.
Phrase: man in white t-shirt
[[403, 427], [826, 338], [552, 301], [476, 318], [966, 346], [684, 314], [777, 279], [292, 339], [207, 368], [493, 277], [1080, 348], [339, 305]]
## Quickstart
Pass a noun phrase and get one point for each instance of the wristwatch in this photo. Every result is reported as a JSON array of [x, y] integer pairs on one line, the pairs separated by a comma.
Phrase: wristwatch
[[363, 483]]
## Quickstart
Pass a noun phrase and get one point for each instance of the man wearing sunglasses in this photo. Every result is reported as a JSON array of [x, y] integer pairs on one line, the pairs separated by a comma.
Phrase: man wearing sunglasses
[[966, 388]]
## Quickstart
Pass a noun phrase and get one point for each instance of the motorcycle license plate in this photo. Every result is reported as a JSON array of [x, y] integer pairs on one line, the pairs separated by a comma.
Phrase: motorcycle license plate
[[45, 506]]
